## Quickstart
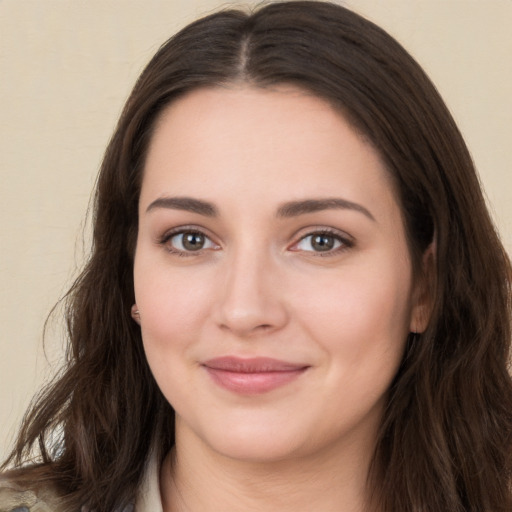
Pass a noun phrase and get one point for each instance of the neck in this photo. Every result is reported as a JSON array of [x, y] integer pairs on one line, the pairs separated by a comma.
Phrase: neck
[[330, 481]]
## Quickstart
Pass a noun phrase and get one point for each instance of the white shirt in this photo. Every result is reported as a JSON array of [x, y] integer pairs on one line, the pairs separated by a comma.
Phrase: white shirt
[[148, 497]]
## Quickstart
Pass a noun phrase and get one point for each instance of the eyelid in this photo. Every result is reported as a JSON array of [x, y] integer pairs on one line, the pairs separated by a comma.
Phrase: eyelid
[[169, 234], [347, 241]]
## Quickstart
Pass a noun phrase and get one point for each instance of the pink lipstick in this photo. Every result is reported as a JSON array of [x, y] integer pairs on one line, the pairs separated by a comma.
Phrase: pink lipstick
[[252, 376]]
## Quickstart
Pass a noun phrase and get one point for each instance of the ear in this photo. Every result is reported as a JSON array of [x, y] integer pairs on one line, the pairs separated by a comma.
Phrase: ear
[[135, 313], [424, 291]]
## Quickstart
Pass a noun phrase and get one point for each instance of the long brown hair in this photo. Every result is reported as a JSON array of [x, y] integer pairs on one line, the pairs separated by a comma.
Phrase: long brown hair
[[445, 441]]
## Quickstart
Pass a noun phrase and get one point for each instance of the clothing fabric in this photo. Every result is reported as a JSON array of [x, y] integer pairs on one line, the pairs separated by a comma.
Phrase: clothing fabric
[[148, 497], [16, 499]]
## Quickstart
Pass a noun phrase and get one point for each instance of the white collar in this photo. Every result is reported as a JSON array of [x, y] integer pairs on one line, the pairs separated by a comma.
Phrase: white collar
[[148, 497]]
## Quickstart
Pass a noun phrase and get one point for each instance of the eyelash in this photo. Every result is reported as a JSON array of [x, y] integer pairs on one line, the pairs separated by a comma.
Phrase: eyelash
[[344, 240], [164, 241]]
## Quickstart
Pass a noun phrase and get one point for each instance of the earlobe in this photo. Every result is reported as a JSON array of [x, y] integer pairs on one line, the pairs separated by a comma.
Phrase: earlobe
[[424, 292], [135, 313]]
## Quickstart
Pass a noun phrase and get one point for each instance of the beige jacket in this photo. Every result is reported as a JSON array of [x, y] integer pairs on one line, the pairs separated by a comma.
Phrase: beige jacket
[[16, 499]]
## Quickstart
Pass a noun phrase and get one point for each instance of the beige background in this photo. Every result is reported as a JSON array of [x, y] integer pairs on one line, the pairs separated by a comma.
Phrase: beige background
[[66, 68]]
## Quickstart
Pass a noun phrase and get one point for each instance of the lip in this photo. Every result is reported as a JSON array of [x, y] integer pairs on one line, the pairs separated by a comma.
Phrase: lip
[[251, 376]]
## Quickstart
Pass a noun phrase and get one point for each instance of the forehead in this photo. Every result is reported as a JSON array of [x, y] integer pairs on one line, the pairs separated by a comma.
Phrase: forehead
[[242, 140]]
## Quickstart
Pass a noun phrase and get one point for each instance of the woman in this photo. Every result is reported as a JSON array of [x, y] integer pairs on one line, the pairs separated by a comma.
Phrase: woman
[[296, 298]]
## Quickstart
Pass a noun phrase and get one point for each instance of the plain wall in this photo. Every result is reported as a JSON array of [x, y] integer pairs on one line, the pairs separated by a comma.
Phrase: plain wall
[[66, 68]]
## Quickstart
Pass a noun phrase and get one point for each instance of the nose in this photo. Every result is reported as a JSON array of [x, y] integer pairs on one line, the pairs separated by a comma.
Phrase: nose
[[251, 299]]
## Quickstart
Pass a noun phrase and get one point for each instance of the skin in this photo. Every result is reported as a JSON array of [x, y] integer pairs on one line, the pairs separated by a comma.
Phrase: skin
[[260, 287]]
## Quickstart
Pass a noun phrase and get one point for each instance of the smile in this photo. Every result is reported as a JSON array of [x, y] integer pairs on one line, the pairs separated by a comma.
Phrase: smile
[[252, 376]]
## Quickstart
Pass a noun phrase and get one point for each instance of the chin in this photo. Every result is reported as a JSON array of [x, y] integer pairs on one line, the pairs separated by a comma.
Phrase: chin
[[261, 440], [258, 449]]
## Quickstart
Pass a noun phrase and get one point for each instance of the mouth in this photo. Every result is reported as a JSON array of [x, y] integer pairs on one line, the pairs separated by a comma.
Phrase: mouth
[[252, 376]]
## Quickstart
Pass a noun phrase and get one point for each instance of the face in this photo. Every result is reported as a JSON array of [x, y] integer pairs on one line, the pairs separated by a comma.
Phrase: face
[[272, 274]]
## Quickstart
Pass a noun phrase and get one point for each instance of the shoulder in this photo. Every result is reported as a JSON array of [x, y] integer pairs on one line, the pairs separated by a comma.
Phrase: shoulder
[[16, 497]]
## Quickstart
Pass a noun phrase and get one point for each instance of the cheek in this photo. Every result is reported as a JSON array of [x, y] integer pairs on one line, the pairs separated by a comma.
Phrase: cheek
[[172, 305], [173, 309], [359, 312]]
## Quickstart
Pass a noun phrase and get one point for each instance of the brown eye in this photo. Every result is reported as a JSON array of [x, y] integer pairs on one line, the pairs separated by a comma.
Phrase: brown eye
[[189, 241], [322, 242], [193, 241]]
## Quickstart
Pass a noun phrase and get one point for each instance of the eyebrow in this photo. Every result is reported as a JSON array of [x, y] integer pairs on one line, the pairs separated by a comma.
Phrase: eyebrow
[[286, 210], [188, 204], [295, 208]]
